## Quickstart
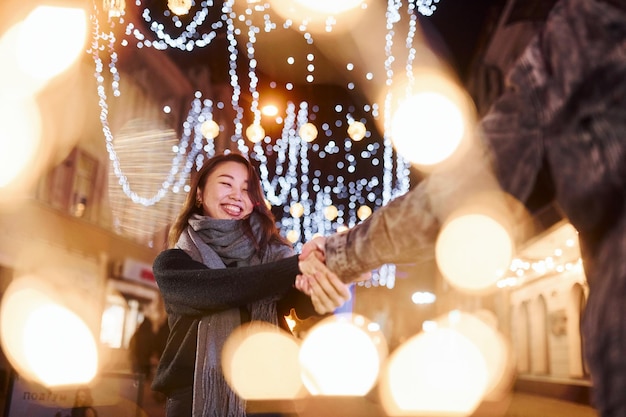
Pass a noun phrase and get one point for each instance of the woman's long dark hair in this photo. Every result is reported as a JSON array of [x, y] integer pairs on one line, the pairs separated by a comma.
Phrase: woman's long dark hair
[[269, 231]]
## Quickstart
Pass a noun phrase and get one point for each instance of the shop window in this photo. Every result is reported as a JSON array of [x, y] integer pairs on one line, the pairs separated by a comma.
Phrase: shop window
[[73, 186]]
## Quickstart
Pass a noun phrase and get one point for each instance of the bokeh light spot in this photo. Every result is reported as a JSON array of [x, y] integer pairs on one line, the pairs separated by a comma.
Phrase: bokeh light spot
[[356, 131], [45, 341], [342, 355], [427, 128], [364, 212], [255, 133], [210, 129], [439, 372], [472, 251], [331, 212], [20, 131], [69, 26], [308, 132], [481, 328], [296, 209], [261, 362]]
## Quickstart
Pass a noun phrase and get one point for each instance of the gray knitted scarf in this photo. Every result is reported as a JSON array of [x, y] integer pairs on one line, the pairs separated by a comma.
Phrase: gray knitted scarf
[[217, 243]]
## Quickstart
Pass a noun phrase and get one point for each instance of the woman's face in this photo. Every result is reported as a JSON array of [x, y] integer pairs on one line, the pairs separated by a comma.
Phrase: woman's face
[[225, 195]]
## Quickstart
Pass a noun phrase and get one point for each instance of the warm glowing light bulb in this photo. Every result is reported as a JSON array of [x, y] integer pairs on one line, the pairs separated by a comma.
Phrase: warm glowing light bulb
[[357, 131], [331, 213], [472, 250], [269, 110], [43, 55], [179, 7], [255, 133], [260, 362], [210, 129], [422, 297], [293, 236], [308, 132], [342, 355], [296, 210], [364, 212]]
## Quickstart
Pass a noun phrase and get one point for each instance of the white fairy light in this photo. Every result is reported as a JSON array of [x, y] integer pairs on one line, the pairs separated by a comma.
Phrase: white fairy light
[[283, 178], [189, 39], [426, 7], [254, 80]]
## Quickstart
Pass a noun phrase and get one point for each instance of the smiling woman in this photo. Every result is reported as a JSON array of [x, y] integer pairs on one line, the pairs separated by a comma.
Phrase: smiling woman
[[227, 265], [226, 187], [225, 193]]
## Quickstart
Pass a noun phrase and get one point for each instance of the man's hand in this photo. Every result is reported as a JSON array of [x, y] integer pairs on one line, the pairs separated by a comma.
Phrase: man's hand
[[326, 290]]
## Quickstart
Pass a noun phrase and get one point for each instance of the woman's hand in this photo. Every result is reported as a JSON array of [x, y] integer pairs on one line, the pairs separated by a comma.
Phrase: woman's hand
[[317, 246]]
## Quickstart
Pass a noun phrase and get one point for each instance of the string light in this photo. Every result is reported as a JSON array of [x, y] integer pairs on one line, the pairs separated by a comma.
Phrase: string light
[[565, 257]]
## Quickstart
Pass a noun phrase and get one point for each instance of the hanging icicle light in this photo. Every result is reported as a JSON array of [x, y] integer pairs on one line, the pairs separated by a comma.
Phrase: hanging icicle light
[[179, 7], [308, 132], [114, 8], [210, 129], [255, 133], [356, 131]]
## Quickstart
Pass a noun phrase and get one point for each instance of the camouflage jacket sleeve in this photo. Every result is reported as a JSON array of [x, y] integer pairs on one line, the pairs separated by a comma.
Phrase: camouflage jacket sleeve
[[403, 231]]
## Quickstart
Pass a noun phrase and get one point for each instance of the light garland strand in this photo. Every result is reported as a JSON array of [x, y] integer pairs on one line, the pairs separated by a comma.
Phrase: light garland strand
[[187, 40], [227, 16], [252, 64], [277, 189]]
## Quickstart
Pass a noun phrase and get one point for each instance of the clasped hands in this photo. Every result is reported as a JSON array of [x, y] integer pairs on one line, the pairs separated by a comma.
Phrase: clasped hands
[[327, 291]]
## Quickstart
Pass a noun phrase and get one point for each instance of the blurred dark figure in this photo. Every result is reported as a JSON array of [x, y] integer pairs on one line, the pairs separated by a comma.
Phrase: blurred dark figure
[[83, 404], [148, 342], [146, 346]]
